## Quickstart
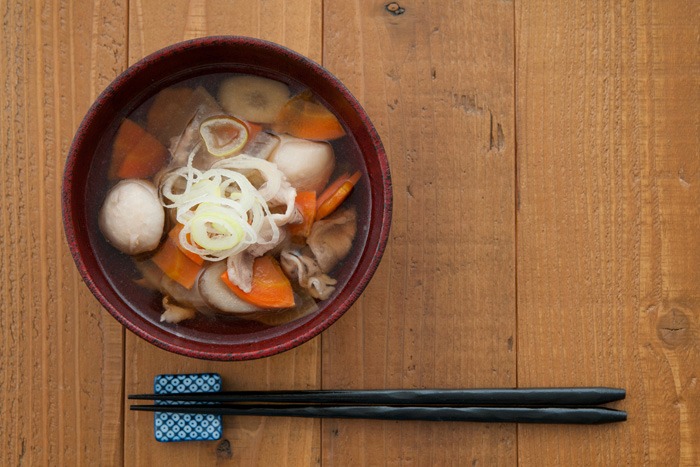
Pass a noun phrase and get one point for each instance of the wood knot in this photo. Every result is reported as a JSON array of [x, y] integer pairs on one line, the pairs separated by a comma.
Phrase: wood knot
[[395, 9], [673, 328], [223, 450]]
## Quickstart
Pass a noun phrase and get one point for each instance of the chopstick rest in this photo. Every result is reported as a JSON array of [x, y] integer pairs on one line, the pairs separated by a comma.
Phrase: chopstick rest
[[171, 427]]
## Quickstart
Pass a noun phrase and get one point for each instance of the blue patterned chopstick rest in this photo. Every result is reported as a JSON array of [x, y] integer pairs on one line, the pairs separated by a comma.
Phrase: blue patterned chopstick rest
[[170, 427]]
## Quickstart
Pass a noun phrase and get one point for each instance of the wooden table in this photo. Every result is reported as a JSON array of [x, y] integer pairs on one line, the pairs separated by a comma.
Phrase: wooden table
[[546, 230]]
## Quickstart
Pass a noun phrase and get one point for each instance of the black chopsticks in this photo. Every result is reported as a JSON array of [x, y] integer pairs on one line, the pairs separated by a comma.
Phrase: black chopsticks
[[525, 396], [529, 405], [579, 415]]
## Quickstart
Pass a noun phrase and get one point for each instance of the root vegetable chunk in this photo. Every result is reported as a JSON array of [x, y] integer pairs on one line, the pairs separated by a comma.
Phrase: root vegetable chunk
[[132, 218], [218, 295], [307, 164], [169, 113], [253, 98]]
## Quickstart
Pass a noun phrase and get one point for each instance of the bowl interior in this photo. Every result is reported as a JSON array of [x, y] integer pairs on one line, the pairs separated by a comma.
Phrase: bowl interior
[[110, 274]]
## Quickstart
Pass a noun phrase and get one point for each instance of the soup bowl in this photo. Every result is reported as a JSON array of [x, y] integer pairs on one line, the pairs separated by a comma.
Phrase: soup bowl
[[110, 275]]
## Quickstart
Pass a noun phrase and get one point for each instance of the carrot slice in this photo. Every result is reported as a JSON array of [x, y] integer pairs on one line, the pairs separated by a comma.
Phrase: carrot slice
[[271, 288], [302, 116], [306, 204], [136, 153], [174, 234], [334, 195], [175, 264], [332, 188]]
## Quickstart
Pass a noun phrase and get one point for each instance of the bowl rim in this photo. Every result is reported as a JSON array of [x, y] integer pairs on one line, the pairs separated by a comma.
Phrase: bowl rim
[[375, 252]]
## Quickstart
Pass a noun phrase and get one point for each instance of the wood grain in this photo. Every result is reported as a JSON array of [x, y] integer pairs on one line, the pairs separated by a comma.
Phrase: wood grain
[[573, 261], [60, 354], [437, 80], [295, 24], [247, 440], [609, 223]]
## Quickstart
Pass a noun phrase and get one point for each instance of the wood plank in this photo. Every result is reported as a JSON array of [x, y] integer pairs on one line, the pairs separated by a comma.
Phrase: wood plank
[[437, 80], [609, 223], [60, 353], [246, 440]]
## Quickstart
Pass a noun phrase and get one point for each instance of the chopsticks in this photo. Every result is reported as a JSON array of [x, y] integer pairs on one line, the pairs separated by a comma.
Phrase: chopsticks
[[525, 396], [580, 415], [531, 405]]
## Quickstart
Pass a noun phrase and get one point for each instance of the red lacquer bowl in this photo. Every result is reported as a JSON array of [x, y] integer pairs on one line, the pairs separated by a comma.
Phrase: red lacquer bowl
[[110, 275]]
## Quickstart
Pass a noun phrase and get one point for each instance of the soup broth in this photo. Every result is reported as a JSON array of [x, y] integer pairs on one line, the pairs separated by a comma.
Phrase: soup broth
[[228, 203]]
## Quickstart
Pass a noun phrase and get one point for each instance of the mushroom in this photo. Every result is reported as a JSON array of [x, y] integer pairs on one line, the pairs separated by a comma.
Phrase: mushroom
[[331, 238], [330, 241], [173, 313], [307, 164], [131, 217], [302, 267]]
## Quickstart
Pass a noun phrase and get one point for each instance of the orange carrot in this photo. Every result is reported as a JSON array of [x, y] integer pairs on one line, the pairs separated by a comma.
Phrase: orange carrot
[[271, 288], [306, 204], [332, 188], [175, 264], [334, 195], [303, 117], [136, 153], [174, 234]]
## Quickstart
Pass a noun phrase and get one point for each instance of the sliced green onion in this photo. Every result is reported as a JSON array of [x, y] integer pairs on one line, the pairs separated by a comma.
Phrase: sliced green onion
[[213, 231], [223, 135], [222, 213]]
